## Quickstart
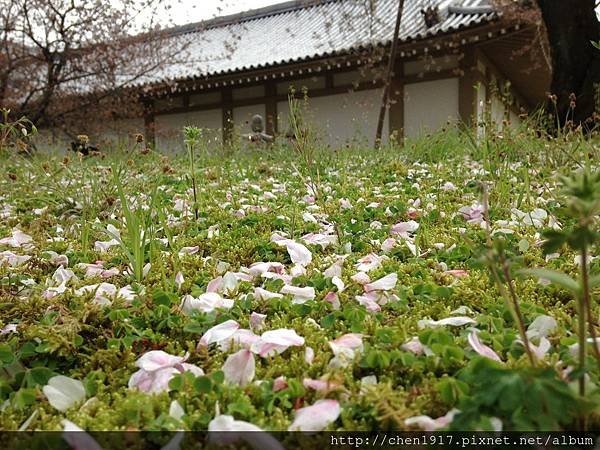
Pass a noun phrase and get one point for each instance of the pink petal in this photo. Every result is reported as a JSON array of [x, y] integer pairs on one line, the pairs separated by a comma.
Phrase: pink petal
[[482, 349], [368, 302], [256, 320], [369, 262], [414, 346], [426, 423], [206, 302], [276, 341], [333, 298], [161, 378], [404, 229], [279, 384], [320, 239], [542, 349], [215, 285], [351, 340], [297, 271], [319, 385], [197, 371], [241, 338], [259, 268], [157, 359], [316, 417], [388, 244], [345, 203], [189, 250], [141, 380], [458, 273], [239, 368], [179, 280], [360, 278], [152, 382]]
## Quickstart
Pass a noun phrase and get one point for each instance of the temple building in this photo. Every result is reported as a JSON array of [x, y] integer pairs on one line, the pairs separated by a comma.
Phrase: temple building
[[457, 60]]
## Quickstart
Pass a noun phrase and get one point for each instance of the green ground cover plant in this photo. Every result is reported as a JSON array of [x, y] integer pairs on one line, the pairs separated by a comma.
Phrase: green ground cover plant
[[446, 283]]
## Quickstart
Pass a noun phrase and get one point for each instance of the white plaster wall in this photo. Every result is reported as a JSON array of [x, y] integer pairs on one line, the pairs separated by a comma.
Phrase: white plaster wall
[[283, 123], [248, 92], [497, 112], [211, 121], [167, 132], [106, 137], [481, 108], [55, 143], [242, 116], [429, 64], [428, 105], [169, 128], [515, 120], [310, 83], [342, 119], [119, 133]]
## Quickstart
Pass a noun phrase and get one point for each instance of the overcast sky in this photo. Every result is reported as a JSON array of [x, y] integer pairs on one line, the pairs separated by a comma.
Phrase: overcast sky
[[181, 12], [187, 11]]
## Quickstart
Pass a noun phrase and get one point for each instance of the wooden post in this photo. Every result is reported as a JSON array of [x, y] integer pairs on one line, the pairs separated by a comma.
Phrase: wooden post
[[271, 107], [390, 74], [396, 100], [227, 99], [467, 97], [149, 123]]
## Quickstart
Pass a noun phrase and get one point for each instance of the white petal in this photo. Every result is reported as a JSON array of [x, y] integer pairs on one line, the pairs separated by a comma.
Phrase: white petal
[[282, 336], [542, 326], [452, 321], [179, 280], [63, 392], [219, 333], [383, 284], [115, 234], [175, 410], [236, 430], [337, 282], [301, 294], [309, 355], [299, 254], [316, 417], [228, 423], [77, 438], [263, 294], [206, 302]]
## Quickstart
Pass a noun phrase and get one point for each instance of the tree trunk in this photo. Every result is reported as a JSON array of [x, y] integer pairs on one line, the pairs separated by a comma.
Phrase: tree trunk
[[571, 26]]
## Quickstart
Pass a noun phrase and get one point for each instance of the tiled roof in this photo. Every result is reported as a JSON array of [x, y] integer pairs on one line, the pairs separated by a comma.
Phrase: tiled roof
[[302, 30]]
